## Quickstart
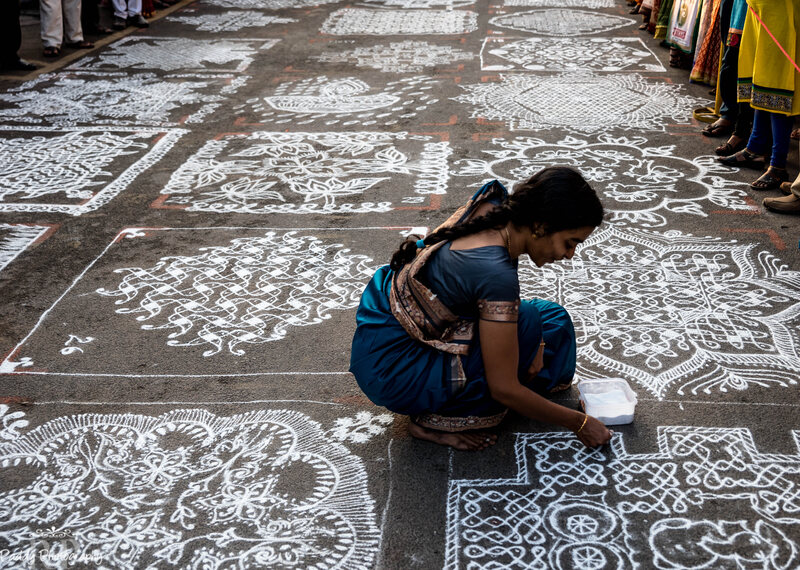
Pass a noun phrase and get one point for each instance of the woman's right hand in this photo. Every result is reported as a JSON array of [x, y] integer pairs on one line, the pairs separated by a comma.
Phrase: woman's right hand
[[594, 432]]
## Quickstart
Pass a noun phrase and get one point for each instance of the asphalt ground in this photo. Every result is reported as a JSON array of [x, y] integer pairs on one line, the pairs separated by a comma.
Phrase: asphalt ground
[[188, 214]]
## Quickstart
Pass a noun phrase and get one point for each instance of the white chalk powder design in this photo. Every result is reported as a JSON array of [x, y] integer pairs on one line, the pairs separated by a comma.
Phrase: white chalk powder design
[[707, 498], [249, 292], [177, 54], [624, 100], [267, 4], [189, 489], [303, 173], [361, 428], [69, 99], [70, 170], [346, 101], [561, 22], [568, 54], [560, 3], [420, 4], [641, 185], [228, 21], [676, 314], [408, 56], [10, 424], [360, 21], [15, 238]]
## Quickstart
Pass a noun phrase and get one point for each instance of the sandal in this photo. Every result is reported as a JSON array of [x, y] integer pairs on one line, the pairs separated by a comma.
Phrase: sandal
[[715, 129], [795, 134], [52, 51], [770, 180], [83, 44], [728, 149], [744, 159]]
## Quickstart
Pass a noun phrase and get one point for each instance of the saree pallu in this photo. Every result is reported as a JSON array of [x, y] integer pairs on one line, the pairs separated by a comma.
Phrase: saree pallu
[[662, 22], [766, 77], [442, 390], [706, 62], [683, 25]]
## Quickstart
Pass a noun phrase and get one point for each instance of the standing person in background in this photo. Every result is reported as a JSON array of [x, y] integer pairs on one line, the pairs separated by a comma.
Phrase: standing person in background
[[786, 204], [11, 38], [90, 18], [734, 116], [128, 11], [769, 81], [61, 18]]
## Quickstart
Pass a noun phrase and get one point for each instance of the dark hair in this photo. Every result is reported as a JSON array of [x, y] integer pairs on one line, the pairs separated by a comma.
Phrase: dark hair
[[554, 199]]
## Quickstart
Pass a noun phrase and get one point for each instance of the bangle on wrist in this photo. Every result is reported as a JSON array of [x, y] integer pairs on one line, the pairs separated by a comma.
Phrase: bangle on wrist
[[585, 419]]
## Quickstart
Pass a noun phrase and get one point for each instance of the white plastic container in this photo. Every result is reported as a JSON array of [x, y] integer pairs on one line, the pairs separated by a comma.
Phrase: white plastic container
[[610, 400]]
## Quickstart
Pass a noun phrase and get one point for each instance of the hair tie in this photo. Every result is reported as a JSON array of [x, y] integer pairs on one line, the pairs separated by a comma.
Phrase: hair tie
[[420, 244]]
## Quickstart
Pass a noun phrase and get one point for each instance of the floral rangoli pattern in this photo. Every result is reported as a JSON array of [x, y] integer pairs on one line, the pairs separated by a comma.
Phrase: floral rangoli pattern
[[303, 173], [189, 489], [640, 185]]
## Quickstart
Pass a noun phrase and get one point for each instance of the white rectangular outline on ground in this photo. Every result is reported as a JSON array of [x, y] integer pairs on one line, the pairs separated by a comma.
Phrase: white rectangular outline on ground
[[9, 366], [159, 148], [516, 68]]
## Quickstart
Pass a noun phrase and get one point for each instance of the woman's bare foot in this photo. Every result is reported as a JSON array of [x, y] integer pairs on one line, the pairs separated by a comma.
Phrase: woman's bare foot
[[464, 441]]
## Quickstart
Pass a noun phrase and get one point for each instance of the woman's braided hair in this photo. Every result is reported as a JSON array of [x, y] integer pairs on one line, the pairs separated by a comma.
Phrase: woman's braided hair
[[554, 199]]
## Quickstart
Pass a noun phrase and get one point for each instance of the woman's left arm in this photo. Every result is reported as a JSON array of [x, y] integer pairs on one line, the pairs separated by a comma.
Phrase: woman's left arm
[[500, 352]]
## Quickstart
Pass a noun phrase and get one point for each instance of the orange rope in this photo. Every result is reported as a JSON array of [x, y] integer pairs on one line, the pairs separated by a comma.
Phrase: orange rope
[[777, 43]]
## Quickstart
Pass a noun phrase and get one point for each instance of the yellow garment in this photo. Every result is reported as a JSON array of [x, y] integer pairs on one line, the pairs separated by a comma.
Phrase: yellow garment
[[767, 79]]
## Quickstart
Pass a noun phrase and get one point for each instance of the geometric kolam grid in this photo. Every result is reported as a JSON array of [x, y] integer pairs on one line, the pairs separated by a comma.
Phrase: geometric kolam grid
[[706, 499], [568, 54], [208, 301]]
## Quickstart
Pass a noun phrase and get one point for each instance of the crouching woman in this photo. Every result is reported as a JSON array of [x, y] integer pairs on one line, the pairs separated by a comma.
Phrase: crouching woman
[[442, 335]]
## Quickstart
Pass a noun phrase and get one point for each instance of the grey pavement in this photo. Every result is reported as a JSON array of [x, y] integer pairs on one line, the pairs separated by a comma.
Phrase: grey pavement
[[188, 214]]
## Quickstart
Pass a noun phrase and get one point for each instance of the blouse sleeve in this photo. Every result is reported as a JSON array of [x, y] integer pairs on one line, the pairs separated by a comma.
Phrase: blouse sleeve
[[497, 293]]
